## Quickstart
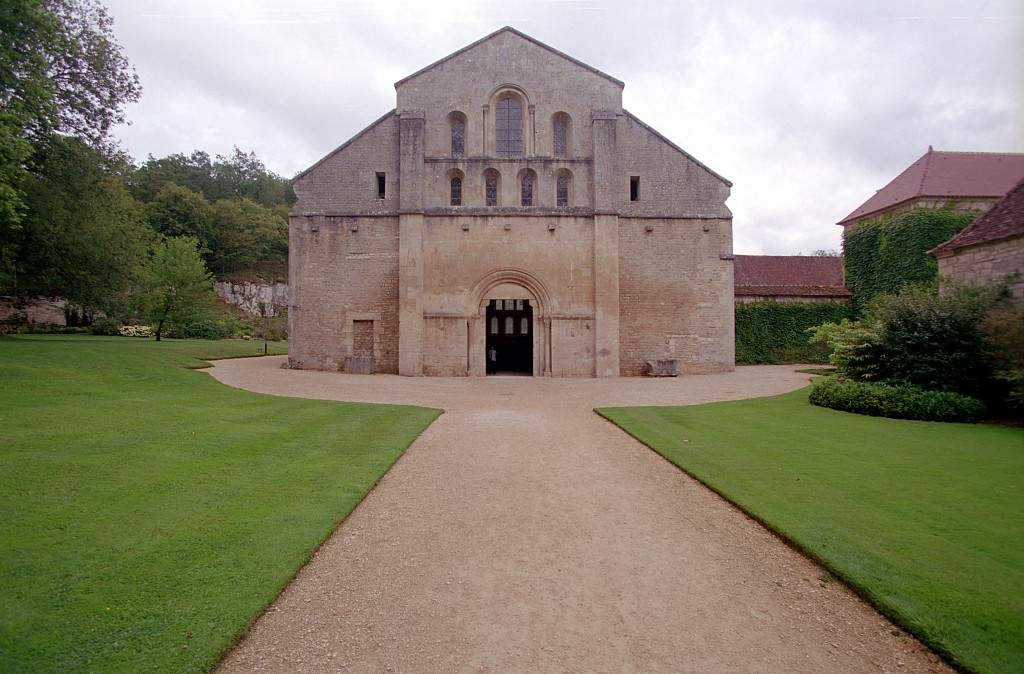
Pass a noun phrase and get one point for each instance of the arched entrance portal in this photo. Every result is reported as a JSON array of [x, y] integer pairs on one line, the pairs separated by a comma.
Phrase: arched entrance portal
[[521, 336], [509, 338]]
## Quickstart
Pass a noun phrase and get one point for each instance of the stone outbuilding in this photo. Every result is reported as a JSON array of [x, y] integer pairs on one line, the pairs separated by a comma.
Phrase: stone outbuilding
[[804, 279], [509, 216], [969, 181], [990, 249]]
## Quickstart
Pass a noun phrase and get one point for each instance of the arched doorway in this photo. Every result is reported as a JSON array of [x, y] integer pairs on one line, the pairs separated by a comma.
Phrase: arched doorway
[[523, 344], [509, 340]]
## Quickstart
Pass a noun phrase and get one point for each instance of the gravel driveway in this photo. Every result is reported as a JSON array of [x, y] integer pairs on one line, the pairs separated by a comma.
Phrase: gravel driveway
[[522, 532]]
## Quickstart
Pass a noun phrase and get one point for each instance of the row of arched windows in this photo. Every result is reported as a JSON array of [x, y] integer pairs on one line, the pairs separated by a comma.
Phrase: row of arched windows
[[527, 186], [508, 130]]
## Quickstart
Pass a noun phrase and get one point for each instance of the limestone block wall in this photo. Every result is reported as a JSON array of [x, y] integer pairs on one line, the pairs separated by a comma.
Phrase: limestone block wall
[[986, 263], [342, 269], [676, 294], [346, 179], [468, 81]]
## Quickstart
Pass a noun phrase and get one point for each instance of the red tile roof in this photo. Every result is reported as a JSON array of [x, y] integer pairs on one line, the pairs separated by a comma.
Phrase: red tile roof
[[789, 275], [1003, 221], [947, 174]]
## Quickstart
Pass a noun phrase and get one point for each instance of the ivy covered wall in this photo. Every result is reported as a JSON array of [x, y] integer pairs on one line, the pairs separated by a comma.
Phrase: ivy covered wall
[[884, 255], [775, 332]]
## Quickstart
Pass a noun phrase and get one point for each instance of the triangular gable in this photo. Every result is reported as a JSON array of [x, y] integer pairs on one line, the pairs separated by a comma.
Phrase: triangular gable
[[509, 29], [386, 115], [672, 145]]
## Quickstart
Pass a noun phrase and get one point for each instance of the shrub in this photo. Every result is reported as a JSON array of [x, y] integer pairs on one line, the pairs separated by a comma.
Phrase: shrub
[[920, 338], [775, 332], [205, 328], [887, 254], [106, 326], [136, 331], [895, 401], [1004, 327]]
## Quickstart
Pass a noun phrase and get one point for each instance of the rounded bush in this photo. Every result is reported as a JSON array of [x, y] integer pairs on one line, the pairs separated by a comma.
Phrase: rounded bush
[[106, 326], [896, 401]]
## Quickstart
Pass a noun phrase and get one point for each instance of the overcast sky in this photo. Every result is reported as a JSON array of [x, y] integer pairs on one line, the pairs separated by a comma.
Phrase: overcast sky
[[807, 107]]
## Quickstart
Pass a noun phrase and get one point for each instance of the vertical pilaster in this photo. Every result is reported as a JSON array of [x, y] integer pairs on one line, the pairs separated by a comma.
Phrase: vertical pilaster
[[606, 246], [410, 244]]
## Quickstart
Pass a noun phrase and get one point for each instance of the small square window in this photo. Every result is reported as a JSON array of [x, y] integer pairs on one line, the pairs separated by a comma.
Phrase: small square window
[[381, 183], [634, 188]]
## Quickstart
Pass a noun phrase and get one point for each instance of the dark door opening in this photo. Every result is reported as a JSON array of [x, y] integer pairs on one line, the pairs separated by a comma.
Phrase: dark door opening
[[509, 337]]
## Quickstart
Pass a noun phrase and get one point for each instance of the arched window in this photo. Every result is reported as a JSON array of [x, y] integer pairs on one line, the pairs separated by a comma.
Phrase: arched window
[[492, 187], [524, 326], [456, 192], [510, 325], [561, 124], [562, 191], [458, 126], [526, 185], [508, 126], [494, 325]]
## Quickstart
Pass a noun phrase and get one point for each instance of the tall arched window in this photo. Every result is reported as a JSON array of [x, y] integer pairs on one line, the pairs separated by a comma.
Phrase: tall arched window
[[526, 191], [561, 126], [456, 192], [510, 325], [508, 126], [562, 191], [492, 187], [457, 123]]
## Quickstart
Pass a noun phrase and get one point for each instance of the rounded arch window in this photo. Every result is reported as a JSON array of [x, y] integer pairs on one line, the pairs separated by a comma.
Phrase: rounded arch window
[[563, 188], [457, 128], [561, 134], [455, 184], [492, 187], [508, 125], [527, 187]]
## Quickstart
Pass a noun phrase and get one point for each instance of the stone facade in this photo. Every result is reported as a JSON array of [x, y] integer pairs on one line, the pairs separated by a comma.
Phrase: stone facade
[[985, 263], [617, 242], [255, 297]]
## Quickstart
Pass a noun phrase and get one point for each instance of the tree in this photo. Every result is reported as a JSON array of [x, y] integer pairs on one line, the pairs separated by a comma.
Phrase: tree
[[179, 211], [245, 233], [62, 74], [177, 285], [84, 237]]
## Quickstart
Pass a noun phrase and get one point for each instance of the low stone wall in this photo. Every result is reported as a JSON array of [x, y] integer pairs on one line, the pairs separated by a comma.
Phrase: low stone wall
[[984, 263], [250, 295]]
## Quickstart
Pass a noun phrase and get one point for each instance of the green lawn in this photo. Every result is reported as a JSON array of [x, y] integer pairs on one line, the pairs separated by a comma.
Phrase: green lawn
[[148, 512], [924, 519]]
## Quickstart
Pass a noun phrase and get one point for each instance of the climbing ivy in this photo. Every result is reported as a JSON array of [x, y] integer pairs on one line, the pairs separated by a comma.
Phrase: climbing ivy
[[774, 332], [886, 254]]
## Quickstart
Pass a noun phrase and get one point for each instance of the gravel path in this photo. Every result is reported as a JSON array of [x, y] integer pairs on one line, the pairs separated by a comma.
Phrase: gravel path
[[522, 532]]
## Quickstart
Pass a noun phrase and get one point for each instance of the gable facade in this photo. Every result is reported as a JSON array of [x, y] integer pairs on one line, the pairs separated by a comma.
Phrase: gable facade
[[509, 190]]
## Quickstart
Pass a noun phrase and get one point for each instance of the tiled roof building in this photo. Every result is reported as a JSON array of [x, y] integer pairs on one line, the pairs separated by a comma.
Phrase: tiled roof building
[[789, 278]]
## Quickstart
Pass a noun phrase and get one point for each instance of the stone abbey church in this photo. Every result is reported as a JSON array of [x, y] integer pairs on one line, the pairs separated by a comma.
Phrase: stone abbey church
[[509, 216]]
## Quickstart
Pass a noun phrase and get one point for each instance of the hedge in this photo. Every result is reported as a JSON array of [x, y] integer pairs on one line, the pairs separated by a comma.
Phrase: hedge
[[886, 254], [775, 332], [894, 401]]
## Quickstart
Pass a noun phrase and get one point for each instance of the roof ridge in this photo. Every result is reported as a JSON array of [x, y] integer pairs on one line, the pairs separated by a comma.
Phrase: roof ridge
[[999, 154], [510, 29], [924, 172]]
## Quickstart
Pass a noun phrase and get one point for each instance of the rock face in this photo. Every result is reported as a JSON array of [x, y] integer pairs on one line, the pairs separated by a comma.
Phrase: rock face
[[251, 295], [38, 311]]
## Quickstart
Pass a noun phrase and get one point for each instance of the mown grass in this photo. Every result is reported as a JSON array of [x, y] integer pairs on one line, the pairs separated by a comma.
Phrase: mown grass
[[149, 512], [926, 520]]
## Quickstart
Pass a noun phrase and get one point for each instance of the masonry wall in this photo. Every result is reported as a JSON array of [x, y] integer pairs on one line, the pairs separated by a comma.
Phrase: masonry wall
[[676, 294], [986, 263], [342, 269]]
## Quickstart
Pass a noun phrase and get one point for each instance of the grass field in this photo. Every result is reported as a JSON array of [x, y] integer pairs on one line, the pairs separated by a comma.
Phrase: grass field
[[149, 512], [924, 519]]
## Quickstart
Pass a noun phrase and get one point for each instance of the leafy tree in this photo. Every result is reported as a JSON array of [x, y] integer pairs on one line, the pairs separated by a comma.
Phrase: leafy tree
[[61, 74], [179, 211], [246, 233], [177, 287], [83, 237]]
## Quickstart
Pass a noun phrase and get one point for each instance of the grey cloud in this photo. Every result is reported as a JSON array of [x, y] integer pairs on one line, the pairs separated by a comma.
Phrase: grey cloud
[[807, 106]]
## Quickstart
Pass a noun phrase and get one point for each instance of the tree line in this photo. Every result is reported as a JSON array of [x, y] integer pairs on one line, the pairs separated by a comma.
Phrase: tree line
[[79, 219]]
